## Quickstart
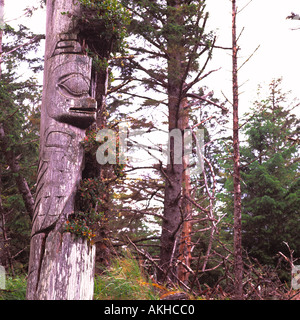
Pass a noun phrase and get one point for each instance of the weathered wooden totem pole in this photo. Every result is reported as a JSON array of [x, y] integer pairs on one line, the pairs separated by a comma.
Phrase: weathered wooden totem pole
[[61, 266]]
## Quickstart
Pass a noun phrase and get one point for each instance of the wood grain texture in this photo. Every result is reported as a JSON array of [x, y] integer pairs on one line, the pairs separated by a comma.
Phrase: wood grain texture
[[62, 267]]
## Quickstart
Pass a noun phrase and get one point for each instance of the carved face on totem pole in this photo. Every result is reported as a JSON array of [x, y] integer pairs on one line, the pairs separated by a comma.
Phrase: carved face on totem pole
[[69, 78], [68, 109]]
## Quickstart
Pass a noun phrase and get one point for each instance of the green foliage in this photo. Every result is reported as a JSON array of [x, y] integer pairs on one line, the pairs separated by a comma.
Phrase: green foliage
[[82, 224], [89, 192], [94, 194], [91, 144], [167, 40], [108, 21], [15, 288], [124, 280], [158, 21], [25, 54], [19, 115], [270, 179]]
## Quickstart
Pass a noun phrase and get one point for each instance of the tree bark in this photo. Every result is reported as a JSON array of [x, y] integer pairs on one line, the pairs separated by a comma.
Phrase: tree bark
[[185, 245], [237, 211], [61, 267], [174, 171]]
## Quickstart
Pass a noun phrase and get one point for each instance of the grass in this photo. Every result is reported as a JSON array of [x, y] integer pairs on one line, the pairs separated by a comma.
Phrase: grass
[[124, 280], [15, 288]]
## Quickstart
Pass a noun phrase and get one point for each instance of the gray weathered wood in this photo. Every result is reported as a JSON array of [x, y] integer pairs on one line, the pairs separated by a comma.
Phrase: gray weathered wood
[[62, 267]]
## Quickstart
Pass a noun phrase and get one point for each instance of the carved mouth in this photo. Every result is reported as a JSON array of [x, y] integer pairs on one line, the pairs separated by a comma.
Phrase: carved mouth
[[83, 110]]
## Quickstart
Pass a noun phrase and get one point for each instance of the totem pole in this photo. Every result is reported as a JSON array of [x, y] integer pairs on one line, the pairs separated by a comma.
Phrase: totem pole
[[61, 266]]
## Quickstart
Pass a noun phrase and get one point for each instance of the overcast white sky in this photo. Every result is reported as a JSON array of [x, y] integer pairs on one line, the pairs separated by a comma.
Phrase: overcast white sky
[[265, 25]]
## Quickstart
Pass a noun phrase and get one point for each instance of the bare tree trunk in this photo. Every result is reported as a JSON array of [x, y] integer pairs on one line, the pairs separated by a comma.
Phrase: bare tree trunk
[[185, 245], [61, 266], [238, 260], [185, 255]]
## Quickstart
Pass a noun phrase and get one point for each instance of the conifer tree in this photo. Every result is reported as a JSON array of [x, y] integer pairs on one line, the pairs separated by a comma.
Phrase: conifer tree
[[172, 36], [19, 124], [271, 177]]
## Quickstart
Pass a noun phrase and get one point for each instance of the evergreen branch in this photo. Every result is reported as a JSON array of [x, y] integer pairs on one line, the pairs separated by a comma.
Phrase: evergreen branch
[[33, 40], [13, 162], [158, 78], [198, 77]]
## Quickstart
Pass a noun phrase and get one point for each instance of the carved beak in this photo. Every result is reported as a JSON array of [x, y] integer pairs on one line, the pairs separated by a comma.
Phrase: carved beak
[[84, 105]]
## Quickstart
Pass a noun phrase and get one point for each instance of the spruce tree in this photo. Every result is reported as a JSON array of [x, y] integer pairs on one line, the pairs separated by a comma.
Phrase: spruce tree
[[271, 178], [19, 124], [172, 38]]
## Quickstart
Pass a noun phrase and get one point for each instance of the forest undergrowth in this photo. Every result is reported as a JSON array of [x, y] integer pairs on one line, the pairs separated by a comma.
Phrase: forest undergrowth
[[128, 279]]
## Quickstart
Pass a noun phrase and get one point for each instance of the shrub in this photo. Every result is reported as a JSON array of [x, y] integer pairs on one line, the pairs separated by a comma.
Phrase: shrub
[[15, 289]]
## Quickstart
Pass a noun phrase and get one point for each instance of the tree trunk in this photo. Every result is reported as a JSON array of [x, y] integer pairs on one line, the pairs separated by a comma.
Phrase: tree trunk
[[103, 245], [238, 260], [185, 245], [62, 266], [172, 200], [174, 171]]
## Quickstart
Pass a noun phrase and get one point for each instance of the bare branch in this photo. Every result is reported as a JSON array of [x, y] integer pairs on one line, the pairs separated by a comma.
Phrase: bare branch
[[248, 58], [197, 96], [246, 5]]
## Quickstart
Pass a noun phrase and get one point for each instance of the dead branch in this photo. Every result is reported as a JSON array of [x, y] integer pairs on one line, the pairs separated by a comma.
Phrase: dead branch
[[251, 55], [202, 98], [196, 204]]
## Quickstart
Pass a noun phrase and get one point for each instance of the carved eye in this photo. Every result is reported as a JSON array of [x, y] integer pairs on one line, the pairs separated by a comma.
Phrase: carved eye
[[74, 85]]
